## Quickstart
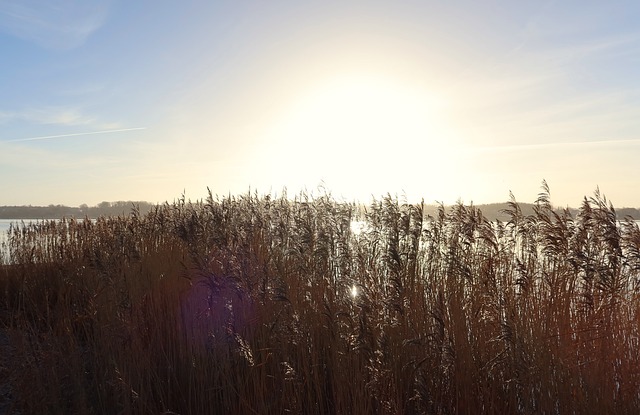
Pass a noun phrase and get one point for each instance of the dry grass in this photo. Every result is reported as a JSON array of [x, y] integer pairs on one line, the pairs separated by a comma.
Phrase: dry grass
[[245, 305]]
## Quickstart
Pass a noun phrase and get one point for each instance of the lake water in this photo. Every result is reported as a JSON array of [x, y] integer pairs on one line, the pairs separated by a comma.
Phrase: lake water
[[5, 224], [4, 227]]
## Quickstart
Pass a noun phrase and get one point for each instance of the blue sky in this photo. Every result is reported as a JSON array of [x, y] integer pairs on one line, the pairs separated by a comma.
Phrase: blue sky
[[116, 100]]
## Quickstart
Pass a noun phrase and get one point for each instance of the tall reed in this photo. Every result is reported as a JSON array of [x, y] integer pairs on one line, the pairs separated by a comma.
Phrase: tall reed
[[263, 304]]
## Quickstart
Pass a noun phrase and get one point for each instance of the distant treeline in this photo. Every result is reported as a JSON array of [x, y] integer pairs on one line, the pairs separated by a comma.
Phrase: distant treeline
[[59, 211], [490, 211]]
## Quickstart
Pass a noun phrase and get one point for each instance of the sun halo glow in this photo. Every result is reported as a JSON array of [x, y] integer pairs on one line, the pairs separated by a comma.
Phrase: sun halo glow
[[379, 127]]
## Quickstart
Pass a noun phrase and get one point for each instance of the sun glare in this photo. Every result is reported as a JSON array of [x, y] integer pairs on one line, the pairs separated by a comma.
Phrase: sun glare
[[379, 127], [358, 226], [353, 291], [360, 112]]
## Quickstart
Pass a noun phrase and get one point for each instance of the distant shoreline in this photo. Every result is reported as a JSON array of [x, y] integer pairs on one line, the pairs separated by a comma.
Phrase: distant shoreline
[[82, 211]]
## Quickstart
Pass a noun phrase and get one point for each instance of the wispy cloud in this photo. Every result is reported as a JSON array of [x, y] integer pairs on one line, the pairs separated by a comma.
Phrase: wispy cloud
[[48, 137], [585, 117], [542, 146], [59, 116], [604, 49], [64, 24], [62, 116], [5, 116]]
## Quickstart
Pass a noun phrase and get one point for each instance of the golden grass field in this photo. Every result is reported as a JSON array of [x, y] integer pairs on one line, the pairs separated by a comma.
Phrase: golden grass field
[[274, 305]]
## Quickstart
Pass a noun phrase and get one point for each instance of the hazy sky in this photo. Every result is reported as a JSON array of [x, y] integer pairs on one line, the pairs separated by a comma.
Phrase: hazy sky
[[124, 100]]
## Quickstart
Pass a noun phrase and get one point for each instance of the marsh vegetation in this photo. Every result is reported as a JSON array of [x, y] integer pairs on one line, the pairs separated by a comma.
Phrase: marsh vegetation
[[261, 304]]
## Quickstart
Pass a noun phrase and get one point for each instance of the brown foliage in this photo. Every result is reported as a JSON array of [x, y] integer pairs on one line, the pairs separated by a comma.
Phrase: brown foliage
[[269, 305]]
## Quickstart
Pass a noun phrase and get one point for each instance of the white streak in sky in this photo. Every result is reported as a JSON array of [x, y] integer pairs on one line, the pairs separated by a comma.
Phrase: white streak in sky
[[59, 25], [48, 137], [517, 147]]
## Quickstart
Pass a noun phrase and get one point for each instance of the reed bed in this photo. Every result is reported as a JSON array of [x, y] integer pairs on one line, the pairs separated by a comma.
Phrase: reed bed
[[276, 305]]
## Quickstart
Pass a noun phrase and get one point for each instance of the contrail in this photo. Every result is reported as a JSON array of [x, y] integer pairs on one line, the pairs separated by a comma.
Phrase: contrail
[[47, 137], [516, 147]]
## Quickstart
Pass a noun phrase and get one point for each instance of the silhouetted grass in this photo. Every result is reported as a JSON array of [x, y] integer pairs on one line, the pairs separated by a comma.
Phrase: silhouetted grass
[[246, 305]]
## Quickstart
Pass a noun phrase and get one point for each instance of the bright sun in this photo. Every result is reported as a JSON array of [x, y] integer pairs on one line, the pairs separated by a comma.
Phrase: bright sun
[[377, 126]]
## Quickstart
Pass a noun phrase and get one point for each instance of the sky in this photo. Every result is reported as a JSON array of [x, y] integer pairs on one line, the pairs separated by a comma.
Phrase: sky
[[443, 101]]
